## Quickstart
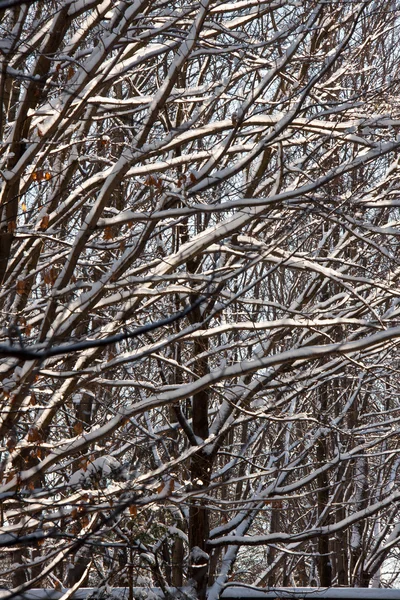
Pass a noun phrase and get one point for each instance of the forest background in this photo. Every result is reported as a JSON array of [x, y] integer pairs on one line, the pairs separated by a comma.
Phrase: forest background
[[199, 266]]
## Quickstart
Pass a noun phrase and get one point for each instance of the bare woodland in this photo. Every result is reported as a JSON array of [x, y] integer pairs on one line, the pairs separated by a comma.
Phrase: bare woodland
[[200, 317]]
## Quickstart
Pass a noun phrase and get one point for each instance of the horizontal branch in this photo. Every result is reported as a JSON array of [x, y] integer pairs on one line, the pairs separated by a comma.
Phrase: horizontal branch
[[8, 350], [273, 538]]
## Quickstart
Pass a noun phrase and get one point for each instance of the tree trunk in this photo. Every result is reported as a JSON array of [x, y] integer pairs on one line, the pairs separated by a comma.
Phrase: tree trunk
[[199, 526]]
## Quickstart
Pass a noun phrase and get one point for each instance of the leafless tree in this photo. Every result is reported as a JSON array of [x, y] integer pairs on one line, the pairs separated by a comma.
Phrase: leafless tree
[[199, 293]]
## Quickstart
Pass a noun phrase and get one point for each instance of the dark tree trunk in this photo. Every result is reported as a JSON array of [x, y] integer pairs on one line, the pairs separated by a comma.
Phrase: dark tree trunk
[[199, 526]]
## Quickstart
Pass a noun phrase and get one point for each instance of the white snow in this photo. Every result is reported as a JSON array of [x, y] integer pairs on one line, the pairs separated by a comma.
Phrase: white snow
[[97, 469]]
